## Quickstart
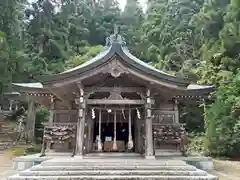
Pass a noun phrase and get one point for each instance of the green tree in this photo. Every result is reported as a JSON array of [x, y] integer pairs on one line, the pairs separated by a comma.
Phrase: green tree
[[223, 120], [215, 61], [47, 38], [131, 20], [89, 53], [218, 25], [171, 39], [11, 41], [106, 13]]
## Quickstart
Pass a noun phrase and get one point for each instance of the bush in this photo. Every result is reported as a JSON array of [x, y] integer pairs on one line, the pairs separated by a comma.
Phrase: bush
[[197, 145]]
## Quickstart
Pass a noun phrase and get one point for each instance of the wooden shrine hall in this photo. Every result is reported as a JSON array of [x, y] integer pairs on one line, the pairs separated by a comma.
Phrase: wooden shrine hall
[[114, 102]]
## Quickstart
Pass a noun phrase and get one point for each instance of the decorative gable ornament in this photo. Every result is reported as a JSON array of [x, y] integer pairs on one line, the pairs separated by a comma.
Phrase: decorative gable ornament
[[115, 38], [115, 68]]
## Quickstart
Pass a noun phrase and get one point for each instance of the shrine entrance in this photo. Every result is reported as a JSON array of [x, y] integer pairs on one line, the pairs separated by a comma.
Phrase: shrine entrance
[[114, 130], [114, 118]]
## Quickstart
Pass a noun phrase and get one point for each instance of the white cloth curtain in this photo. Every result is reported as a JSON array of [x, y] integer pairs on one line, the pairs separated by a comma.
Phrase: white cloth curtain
[[115, 131], [99, 132]]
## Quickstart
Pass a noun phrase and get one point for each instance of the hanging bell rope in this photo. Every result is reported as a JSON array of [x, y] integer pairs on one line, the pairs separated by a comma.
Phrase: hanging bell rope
[[130, 141], [99, 132], [124, 117], [115, 131]]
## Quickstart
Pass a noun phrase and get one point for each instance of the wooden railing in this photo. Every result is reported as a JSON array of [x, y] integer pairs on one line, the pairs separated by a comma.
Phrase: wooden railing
[[58, 124], [58, 133], [170, 134]]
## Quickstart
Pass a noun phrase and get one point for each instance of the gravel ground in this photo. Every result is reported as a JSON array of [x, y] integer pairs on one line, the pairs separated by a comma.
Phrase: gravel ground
[[226, 170], [5, 166]]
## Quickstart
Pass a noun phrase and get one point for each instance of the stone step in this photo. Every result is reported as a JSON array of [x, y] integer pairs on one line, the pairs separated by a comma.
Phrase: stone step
[[114, 160], [113, 172], [109, 164], [113, 156], [106, 162], [112, 177], [127, 167]]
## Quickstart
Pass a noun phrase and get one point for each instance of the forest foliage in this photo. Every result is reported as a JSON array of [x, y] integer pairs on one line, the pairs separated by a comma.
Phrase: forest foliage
[[195, 39]]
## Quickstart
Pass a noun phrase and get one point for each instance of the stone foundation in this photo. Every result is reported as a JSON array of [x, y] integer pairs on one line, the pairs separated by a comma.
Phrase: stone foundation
[[25, 162], [204, 163]]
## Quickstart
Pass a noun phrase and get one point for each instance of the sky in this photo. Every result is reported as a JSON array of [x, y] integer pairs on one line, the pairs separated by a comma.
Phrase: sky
[[123, 3]]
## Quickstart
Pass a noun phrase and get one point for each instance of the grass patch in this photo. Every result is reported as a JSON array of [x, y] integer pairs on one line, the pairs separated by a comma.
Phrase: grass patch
[[17, 151], [23, 150]]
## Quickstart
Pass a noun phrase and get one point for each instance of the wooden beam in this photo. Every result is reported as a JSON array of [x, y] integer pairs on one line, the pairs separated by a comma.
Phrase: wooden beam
[[107, 101], [70, 111], [115, 89], [162, 111]]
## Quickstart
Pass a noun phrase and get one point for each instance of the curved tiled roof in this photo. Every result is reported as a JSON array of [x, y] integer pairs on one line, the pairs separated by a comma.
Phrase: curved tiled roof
[[37, 85], [115, 47], [105, 56]]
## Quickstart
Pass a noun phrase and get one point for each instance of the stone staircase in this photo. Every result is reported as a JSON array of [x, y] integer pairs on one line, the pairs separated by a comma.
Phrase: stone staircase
[[116, 169]]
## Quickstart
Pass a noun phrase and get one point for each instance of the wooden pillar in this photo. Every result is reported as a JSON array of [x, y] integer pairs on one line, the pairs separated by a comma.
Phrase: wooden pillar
[[81, 123], [176, 109], [51, 119], [30, 124], [148, 125], [89, 133], [138, 135]]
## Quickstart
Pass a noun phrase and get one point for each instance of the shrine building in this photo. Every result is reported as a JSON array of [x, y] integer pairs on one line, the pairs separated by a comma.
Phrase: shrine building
[[114, 102]]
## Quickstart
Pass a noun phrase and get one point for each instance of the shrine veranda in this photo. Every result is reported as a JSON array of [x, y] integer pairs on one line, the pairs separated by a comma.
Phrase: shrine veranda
[[112, 103]]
